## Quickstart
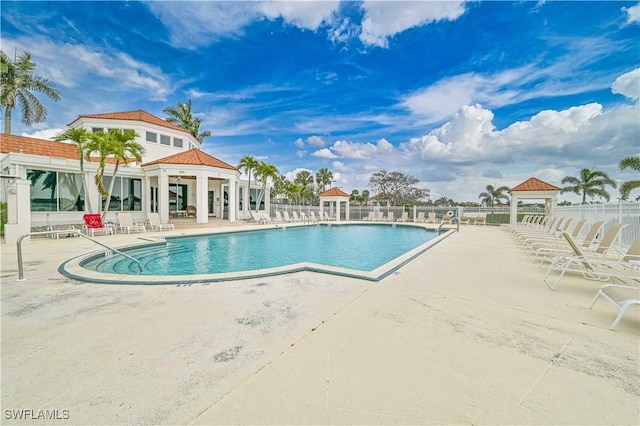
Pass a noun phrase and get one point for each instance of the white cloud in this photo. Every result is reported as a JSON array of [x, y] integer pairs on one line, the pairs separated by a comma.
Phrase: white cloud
[[384, 19], [203, 22], [304, 14], [316, 141], [291, 176], [633, 14], [361, 151], [299, 143], [339, 166], [301, 153], [628, 84], [45, 133], [324, 153]]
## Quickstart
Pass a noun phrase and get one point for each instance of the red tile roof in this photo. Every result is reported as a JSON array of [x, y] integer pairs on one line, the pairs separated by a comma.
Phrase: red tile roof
[[193, 157], [42, 147], [32, 146], [334, 192], [138, 115], [533, 184]]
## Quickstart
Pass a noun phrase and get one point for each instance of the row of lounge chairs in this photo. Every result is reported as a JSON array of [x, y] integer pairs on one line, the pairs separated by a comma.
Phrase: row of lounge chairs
[[93, 224], [584, 249], [285, 217]]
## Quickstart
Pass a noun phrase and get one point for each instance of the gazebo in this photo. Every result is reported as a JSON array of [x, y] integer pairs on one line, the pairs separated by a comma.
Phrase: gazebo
[[534, 189], [334, 196]]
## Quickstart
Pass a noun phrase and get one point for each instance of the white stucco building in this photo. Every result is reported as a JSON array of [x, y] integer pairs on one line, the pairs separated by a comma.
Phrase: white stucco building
[[43, 187]]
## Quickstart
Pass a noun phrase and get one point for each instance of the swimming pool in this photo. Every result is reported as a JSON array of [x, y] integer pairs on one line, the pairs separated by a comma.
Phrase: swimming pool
[[365, 251]]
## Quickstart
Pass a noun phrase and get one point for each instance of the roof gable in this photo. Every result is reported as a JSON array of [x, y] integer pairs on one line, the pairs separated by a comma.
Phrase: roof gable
[[193, 157], [334, 192], [533, 184], [138, 115]]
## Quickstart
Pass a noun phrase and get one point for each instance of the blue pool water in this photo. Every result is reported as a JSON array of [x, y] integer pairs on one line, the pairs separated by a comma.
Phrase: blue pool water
[[359, 247]]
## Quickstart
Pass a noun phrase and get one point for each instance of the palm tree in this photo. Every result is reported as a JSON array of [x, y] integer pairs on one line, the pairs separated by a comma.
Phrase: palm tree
[[80, 137], [365, 196], [304, 178], [296, 191], [182, 116], [324, 177], [590, 183], [265, 171], [18, 82], [124, 148], [248, 164], [101, 143], [632, 163], [494, 195]]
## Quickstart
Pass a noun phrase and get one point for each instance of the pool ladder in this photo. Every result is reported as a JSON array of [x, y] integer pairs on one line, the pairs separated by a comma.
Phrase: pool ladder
[[108, 253]]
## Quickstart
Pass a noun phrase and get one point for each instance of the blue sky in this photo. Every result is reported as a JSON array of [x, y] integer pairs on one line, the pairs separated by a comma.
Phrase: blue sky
[[456, 94]]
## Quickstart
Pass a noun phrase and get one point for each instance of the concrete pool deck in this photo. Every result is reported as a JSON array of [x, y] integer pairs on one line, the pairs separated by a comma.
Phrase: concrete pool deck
[[467, 332]]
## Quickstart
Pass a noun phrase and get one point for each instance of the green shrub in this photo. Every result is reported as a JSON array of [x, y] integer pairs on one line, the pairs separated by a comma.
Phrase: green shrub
[[3, 217]]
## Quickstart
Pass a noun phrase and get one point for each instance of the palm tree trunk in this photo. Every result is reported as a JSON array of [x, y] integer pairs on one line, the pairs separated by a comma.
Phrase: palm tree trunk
[[110, 191], [7, 120]]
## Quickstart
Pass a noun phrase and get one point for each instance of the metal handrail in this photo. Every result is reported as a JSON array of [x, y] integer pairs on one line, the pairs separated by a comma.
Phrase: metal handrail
[[64, 231]]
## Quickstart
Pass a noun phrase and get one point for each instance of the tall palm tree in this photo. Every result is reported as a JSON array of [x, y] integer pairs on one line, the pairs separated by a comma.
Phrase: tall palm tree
[[264, 171], [304, 178], [494, 195], [324, 177], [17, 82], [124, 148], [182, 116], [248, 164], [102, 144], [80, 137], [591, 183], [632, 163]]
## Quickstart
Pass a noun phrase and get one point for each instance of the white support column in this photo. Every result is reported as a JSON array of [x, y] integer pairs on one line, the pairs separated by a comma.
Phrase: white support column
[[146, 195], [202, 214], [347, 215], [321, 208], [513, 219], [337, 210], [233, 201], [267, 199], [553, 202], [163, 196], [18, 210], [414, 213]]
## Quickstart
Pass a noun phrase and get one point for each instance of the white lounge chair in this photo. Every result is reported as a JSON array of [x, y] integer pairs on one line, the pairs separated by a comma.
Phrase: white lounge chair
[[431, 218], [621, 296], [403, 218], [126, 223], [286, 217], [257, 217], [156, 224], [420, 217], [596, 265], [296, 218]]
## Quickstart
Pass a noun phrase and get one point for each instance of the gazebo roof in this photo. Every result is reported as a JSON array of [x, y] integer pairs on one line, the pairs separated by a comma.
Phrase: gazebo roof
[[533, 184], [334, 192]]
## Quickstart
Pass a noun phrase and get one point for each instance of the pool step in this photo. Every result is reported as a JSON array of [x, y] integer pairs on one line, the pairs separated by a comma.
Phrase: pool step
[[145, 255]]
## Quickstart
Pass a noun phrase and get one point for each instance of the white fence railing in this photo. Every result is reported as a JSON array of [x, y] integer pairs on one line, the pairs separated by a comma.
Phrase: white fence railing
[[628, 213]]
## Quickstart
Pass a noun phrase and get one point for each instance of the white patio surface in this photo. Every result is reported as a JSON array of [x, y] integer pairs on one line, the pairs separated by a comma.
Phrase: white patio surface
[[466, 333]]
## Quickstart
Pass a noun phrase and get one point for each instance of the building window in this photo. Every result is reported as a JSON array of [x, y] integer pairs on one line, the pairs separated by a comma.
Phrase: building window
[[97, 130], [165, 140], [152, 137], [177, 142], [55, 191], [126, 194]]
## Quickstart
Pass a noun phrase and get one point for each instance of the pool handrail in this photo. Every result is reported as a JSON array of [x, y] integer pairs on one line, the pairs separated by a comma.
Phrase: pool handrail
[[66, 231]]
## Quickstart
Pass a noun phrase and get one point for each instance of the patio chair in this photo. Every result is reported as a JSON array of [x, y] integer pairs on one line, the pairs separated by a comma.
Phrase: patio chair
[[480, 220], [191, 211], [621, 296], [403, 218], [286, 217], [464, 220], [93, 224], [431, 218], [596, 265], [314, 219], [389, 217], [296, 218], [126, 223], [255, 217], [156, 224], [420, 217], [446, 219], [563, 247]]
